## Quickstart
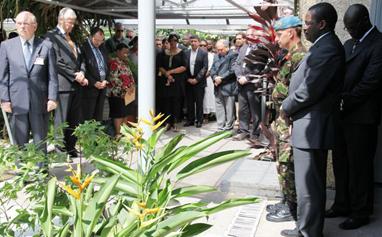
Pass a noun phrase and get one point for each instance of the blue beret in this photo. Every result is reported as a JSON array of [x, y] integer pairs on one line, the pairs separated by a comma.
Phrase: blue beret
[[287, 22]]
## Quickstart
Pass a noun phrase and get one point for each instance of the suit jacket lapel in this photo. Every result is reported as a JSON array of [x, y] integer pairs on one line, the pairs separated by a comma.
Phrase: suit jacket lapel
[[61, 37], [19, 51], [365, 43], [37, 46]]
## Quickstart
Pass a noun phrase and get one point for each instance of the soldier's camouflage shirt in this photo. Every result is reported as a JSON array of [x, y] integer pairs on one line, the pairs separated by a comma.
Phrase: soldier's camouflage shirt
[[289, 64]]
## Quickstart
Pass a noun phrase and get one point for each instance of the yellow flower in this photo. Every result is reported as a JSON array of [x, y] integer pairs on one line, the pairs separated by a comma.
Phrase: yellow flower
[[75, 194], [86, 182], [76, 181], [159, 116], [151, 211], [156, 126], [142, 204], [135, 125], [147, 122], [151, 111]]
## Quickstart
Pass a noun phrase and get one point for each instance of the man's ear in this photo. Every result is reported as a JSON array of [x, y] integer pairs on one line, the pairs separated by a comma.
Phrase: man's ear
[[322, 24]]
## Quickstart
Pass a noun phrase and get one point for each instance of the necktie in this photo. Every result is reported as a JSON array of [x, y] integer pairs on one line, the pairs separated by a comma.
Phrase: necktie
[[356, 43], [71, 44], [27, 54], [100, 61]]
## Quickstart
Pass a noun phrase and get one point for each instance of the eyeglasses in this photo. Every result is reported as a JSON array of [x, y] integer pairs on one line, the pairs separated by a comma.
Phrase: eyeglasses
[[119, 30], [23, 23], [203, 45]]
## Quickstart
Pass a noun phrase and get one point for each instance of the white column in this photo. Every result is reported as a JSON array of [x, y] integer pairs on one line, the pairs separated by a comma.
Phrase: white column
[[376, 18], [146, 59]]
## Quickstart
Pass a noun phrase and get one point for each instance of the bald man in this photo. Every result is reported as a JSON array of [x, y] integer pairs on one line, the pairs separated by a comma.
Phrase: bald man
[[360, 116], [28, 82]]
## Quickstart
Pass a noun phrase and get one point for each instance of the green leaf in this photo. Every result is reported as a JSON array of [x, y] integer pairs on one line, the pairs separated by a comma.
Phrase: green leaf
[[56, 210], [46, 216], [230, 203], [175, 222], [96, 205], [64, 231], [116, 167], [153, 139], [192, 190], [128, 188], [194, 149], [195, 229], [108, 228], [196, 206], [210, 161], [169, 147]]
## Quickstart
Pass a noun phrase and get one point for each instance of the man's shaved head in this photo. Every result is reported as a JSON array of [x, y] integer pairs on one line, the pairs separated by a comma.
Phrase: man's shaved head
[[357, 20]]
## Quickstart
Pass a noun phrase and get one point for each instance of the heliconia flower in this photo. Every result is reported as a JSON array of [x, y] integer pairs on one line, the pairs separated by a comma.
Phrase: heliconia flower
[[75, 194], [159, 116], [133, 124], [76, 181], [151, 111], [142, 204], [87, 182], [151, 211], [147, 122], [156, 126]]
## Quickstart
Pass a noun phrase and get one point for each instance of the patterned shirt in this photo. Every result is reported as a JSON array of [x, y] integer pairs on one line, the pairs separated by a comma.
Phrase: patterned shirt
[[121, 78]]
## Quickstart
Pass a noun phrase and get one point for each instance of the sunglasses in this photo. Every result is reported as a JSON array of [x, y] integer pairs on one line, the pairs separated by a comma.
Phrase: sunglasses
[[119, 30]]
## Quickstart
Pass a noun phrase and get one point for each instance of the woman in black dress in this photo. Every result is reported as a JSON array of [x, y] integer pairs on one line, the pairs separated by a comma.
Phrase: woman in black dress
[[172, 67]]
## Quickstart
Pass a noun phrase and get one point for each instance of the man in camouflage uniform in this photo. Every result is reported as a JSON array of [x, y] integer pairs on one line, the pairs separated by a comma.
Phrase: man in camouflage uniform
[[288, 37]]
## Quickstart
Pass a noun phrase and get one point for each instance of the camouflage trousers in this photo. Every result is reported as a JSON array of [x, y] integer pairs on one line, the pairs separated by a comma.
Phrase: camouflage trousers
[[285, 164]]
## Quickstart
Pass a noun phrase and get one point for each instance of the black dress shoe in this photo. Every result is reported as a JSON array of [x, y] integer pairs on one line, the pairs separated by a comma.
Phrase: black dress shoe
[[281, 215], [331, 213], [73, 153], [354, 223], [198, 124], [291, 233], [187, 124], [272, 208]]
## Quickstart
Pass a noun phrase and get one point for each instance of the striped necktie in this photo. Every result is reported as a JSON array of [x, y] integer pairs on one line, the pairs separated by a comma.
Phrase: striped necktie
[[27, 53], [356, 43]]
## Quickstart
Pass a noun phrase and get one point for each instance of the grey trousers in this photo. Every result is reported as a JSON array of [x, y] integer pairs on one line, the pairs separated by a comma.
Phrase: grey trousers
[[225, 111], [22, 124], [310, 177], [249, 107]]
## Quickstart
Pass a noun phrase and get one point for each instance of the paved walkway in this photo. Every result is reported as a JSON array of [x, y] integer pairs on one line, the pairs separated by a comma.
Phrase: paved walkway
[[248, 177]]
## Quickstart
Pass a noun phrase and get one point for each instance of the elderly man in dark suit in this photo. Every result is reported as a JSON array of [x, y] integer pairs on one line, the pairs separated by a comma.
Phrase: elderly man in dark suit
[[70, 77], [28, 82], [224, 79], [361, 108], [197, 65], [312, 105], [96, 71]]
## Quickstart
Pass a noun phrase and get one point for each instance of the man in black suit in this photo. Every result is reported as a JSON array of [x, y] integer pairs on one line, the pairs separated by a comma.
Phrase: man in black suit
[[197, 65], [360, 116], [70, 77], [312, 105], [96, 70]]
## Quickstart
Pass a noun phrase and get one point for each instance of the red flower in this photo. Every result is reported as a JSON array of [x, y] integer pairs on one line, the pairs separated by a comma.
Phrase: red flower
[[113, 65], [126, 80]]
